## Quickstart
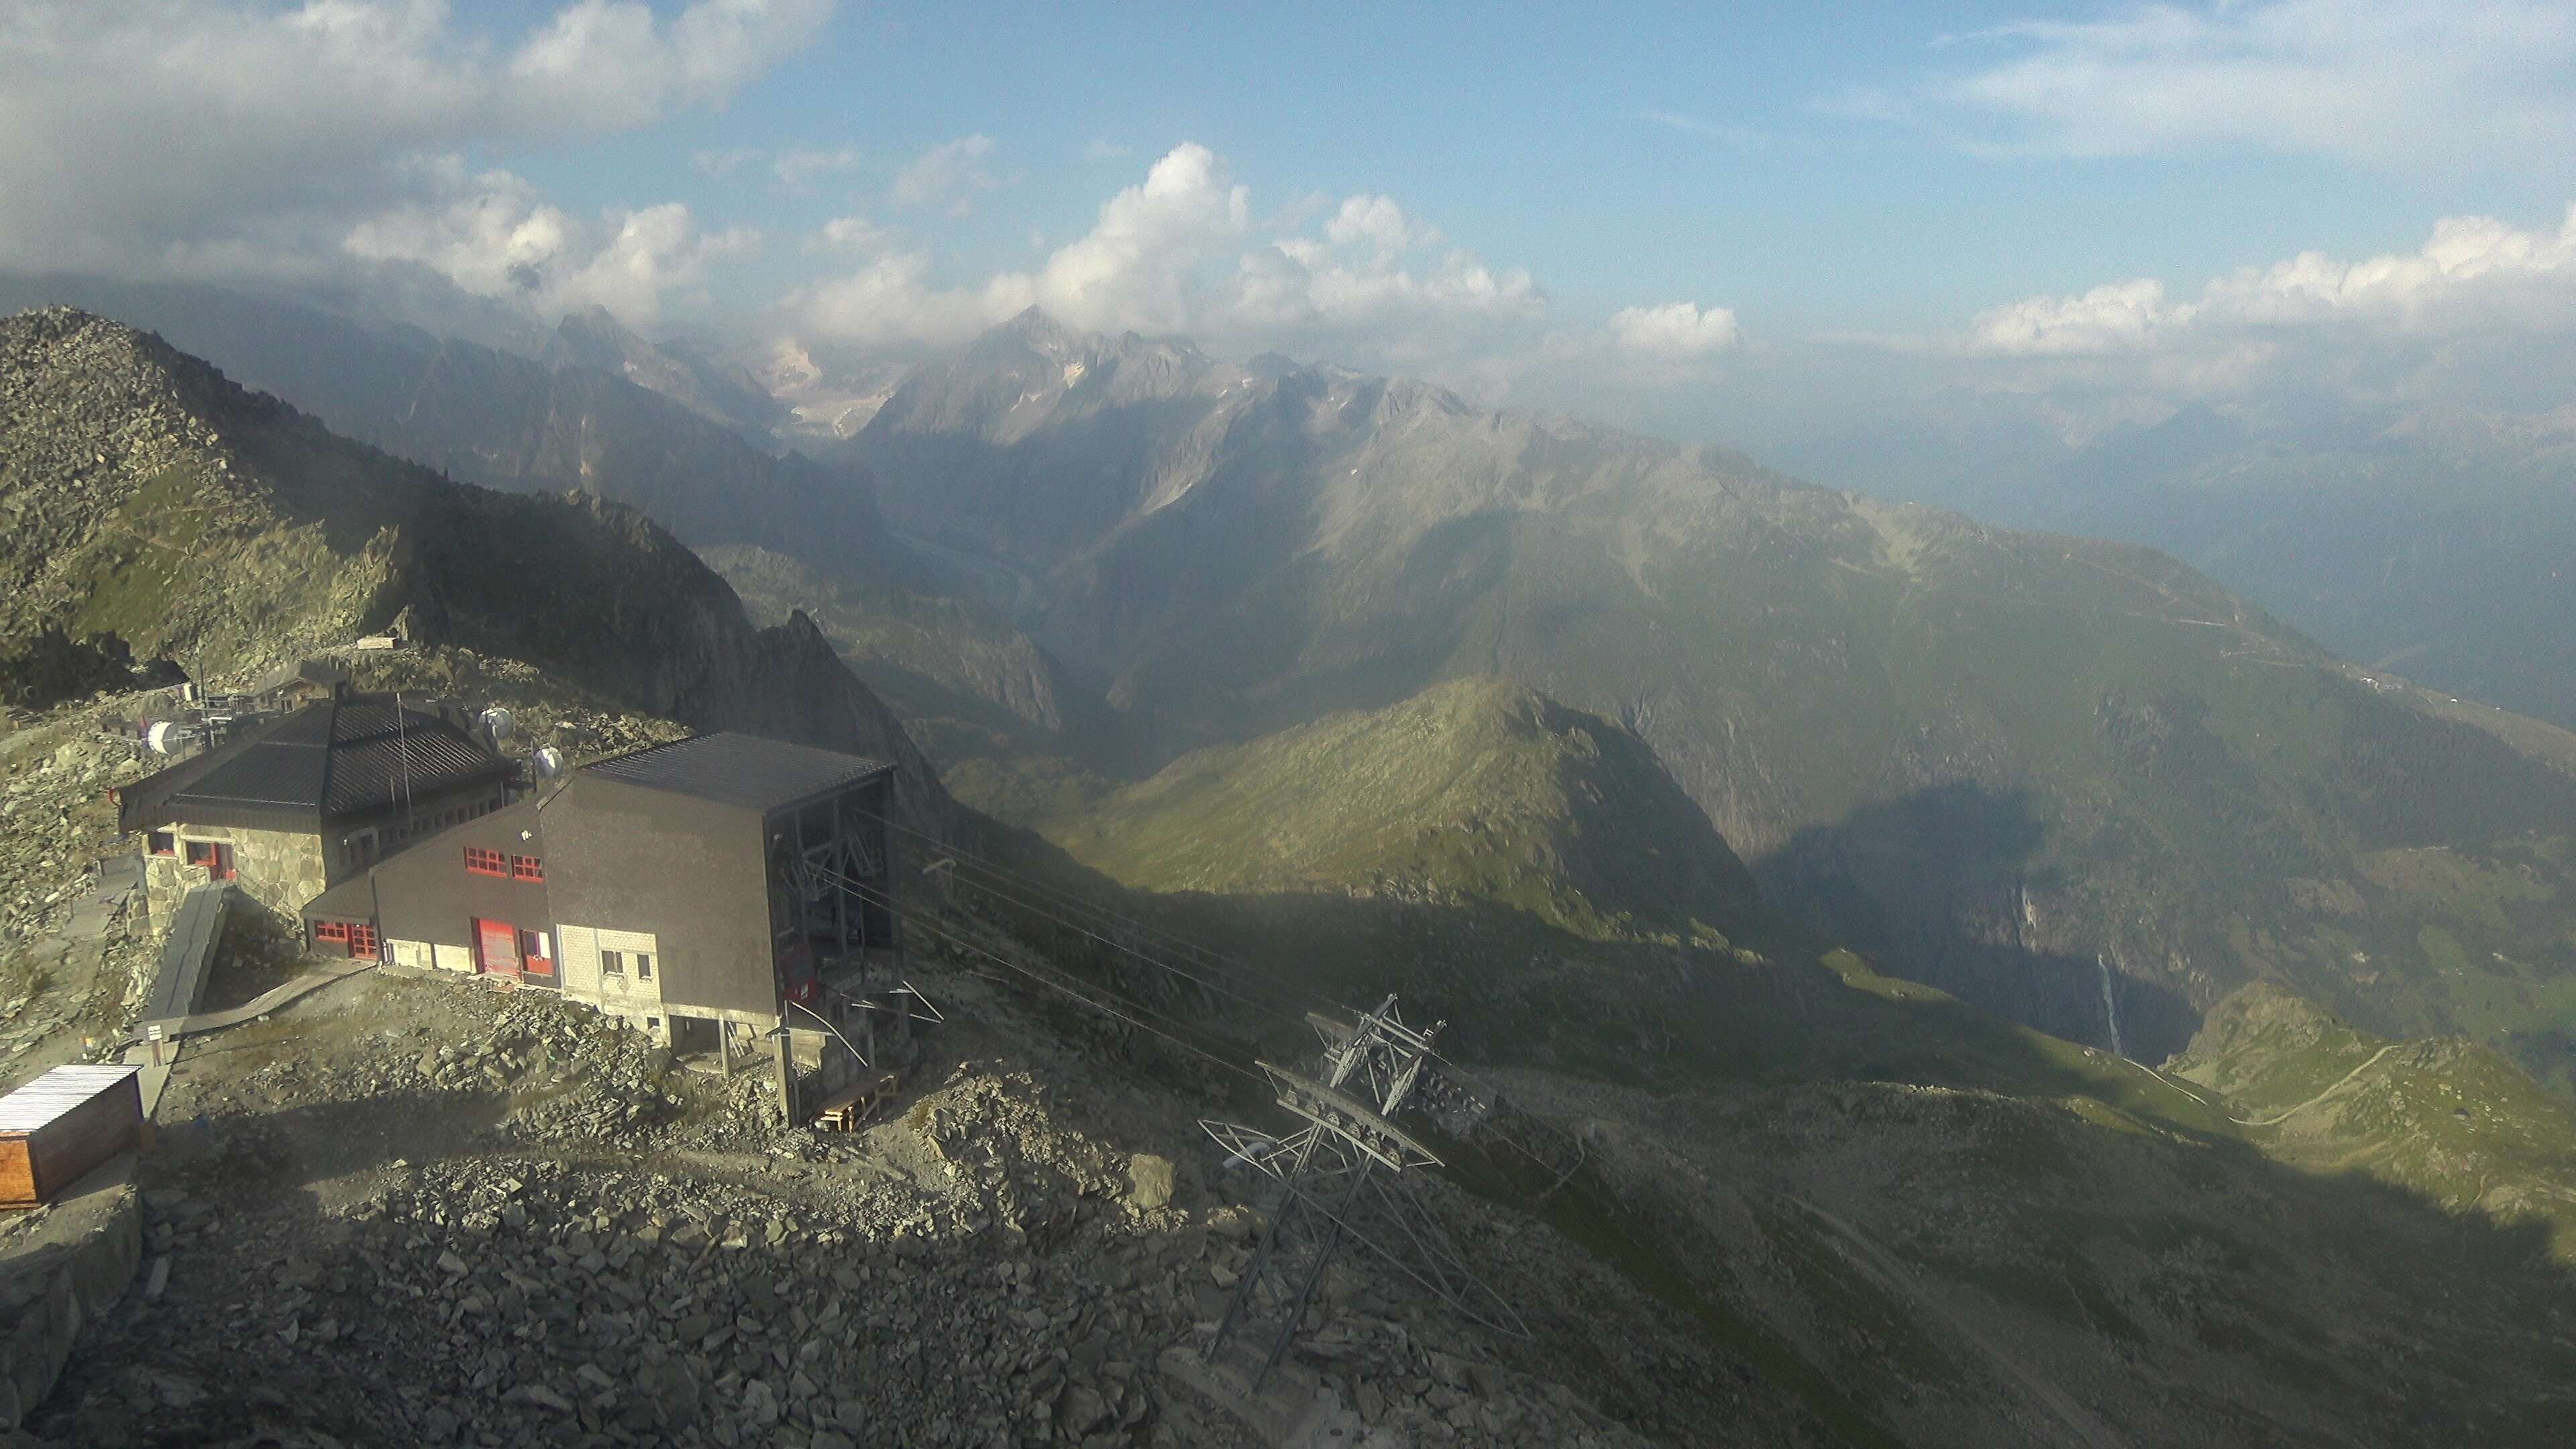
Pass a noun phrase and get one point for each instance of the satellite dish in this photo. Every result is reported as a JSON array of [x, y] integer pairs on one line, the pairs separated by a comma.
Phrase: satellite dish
[[158, 737], [550, 763], [497, 724]]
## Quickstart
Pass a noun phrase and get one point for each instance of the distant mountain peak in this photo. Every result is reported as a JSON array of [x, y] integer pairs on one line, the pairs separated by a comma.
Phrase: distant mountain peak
[[592, 337]]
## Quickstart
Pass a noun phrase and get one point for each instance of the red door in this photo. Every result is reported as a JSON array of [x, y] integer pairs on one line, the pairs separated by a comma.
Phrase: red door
[[496, 948], [536, 958]]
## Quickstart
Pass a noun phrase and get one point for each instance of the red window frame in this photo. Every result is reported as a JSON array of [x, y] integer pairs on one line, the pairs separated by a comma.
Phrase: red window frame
[[479, 861], [528, 868], [362, 943], [215, 855], [331, 931]]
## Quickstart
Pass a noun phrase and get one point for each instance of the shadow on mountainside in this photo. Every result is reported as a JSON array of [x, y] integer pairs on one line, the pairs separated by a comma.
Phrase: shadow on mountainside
[[1923, 1222], [1937, 887]]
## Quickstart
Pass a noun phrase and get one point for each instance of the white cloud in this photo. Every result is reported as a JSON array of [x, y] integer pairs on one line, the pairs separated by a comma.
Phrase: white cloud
[[1379, 221], [168, 137], [725, 163], [949, 175], [2115, 317], [2475, 274], [794, 169], [608, 65], [1675, 330], [2383, 82], [1133, 268], [1177, 252], [1740, 137], [493, 236], [855, 233]]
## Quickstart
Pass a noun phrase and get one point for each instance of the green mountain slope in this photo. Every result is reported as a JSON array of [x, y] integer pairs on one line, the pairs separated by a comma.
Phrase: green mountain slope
[[1477, 789], [2073, 781], [2444, 1117]]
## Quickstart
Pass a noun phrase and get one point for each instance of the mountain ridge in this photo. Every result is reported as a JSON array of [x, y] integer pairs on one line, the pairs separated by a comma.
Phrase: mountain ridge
[[151, 500], [2074, 780]]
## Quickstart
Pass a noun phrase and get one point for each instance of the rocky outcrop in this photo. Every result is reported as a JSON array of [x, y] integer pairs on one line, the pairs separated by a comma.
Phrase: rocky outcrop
[[61, 1268]]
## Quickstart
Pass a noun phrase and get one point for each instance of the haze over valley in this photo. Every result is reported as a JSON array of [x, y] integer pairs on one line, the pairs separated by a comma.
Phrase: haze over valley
[[1900, 706]]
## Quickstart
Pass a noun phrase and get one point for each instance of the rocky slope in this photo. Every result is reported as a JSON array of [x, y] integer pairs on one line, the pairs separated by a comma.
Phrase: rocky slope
[[2074, 781], [518, 1223], [970, 683], [602, 411], [719, 392], [147, 497]]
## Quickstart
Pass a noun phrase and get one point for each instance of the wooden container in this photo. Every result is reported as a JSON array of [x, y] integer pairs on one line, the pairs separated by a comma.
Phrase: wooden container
[[55, 1129]]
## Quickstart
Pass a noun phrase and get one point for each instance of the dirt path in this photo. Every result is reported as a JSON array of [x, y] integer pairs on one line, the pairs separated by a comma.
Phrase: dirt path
[[1883, 1267], [2280, 1117]]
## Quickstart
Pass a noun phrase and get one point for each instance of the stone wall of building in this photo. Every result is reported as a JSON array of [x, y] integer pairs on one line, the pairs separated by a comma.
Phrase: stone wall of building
[[280, 869]]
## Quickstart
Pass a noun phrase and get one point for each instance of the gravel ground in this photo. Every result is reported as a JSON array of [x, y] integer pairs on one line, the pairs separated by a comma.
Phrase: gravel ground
[[411, 1211]]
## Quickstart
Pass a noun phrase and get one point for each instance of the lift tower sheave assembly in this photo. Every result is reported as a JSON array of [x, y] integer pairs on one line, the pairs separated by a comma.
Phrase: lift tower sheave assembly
[[1343, 1176]]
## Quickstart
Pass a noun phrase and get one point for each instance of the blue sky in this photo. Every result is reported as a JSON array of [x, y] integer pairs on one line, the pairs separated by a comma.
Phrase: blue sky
[[1548, 138], [1740, 222]]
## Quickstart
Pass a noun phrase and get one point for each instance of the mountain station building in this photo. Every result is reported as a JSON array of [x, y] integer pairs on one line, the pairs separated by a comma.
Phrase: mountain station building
[[723, 893]]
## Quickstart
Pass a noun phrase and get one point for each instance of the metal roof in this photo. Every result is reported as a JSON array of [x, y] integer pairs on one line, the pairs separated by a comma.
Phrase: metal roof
[[384, 770], [742, 770], [334, 758], [49, 1097]]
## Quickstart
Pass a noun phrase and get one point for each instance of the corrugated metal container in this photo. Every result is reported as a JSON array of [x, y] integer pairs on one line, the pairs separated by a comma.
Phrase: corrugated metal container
[[59, 1126]]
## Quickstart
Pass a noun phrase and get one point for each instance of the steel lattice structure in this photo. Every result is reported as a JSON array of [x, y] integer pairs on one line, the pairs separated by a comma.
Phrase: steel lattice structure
[[1342, 1178]]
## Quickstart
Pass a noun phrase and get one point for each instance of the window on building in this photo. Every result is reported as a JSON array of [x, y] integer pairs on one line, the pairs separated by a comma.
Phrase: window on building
[[362, 942], [337, 931], [479, 861], [643, 966], [612, 963], [652, 1023], [214, 855], [162, 842], [527, 867]]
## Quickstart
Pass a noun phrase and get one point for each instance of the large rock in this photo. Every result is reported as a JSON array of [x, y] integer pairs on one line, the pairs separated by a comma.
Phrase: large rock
[[1151, 1181]]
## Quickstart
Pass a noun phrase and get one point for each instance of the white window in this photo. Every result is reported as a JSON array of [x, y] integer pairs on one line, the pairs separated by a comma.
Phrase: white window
[[612, 963], [643, 966]]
